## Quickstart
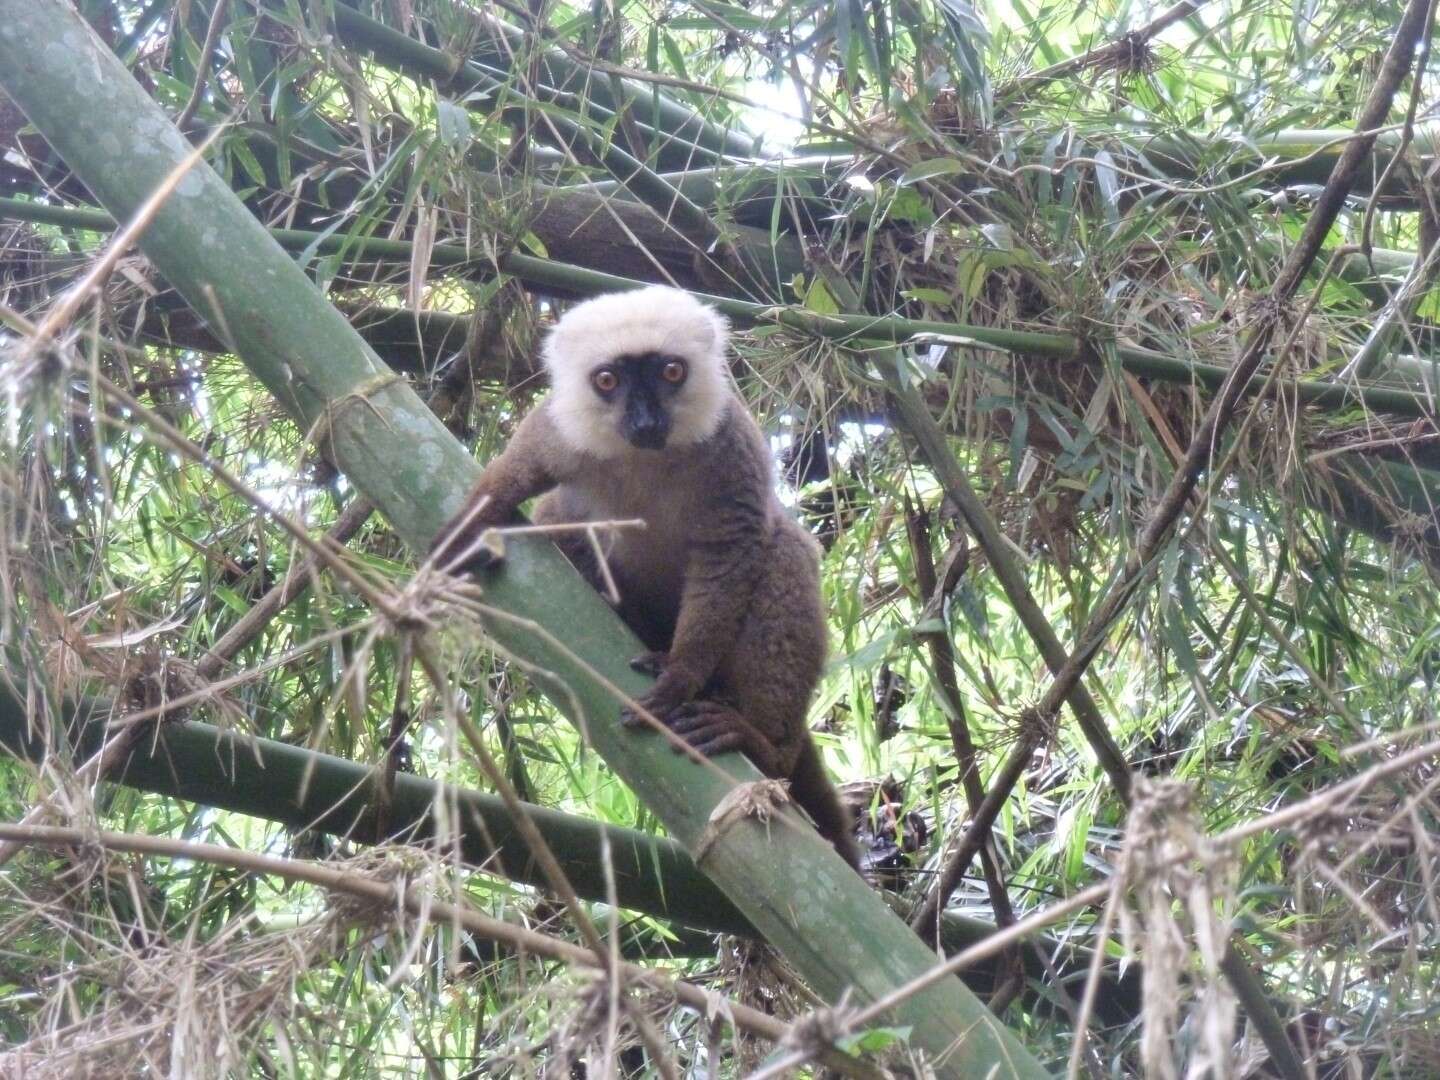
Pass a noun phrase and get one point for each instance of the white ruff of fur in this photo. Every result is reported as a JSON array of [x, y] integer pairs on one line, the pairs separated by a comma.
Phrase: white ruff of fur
[[657, 319]]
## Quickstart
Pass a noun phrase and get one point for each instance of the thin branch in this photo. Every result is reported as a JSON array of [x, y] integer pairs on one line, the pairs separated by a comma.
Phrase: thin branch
[[942, 660], [926, 920], [202, 67], [297, 579]]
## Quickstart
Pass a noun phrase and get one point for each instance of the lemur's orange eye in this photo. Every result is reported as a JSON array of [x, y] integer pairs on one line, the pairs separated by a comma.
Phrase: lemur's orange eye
[[605, 380], [673, 372]]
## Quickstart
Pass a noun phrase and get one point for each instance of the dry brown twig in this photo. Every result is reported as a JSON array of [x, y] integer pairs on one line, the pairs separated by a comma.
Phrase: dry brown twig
[[606, 956], [64, 309], [207, 51], [398, 893], [1184, 889], [1103, 55]]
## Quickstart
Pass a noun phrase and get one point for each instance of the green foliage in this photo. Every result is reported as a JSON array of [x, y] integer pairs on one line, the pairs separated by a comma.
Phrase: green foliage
[[1142, 201]]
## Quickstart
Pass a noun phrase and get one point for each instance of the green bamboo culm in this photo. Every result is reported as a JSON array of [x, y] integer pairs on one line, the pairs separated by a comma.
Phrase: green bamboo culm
[[784, 878]]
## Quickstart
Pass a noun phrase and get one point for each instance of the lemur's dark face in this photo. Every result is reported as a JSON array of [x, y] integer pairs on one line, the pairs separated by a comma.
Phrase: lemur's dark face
[[641, 390]]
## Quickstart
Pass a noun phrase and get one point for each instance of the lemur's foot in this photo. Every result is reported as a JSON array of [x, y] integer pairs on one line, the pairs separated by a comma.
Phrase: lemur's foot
[[650, 663]]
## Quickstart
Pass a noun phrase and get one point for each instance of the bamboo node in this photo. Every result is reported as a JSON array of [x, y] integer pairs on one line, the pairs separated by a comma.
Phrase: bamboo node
[[324, 425], [757, 799], [822, 1029]]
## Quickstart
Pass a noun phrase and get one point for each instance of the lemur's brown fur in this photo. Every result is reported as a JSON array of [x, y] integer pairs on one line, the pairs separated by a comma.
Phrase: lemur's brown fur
[[722, 584]]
